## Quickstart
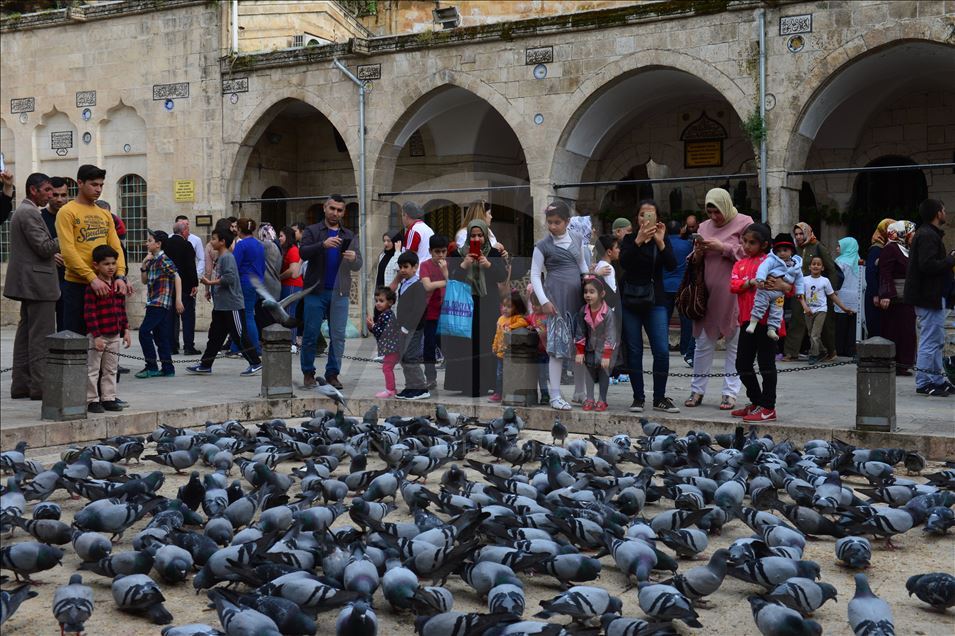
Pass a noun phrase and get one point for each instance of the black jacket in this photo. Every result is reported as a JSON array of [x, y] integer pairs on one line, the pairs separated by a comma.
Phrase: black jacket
[[411, 306], [310, 248], [183, 256], [929, 277], [636, 262]]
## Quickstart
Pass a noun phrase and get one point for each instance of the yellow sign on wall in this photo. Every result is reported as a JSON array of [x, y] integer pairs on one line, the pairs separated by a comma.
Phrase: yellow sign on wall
[[184, 190], [703, 154]]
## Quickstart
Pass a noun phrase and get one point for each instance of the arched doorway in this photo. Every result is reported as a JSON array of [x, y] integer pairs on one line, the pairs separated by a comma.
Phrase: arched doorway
[[275, 212], [882, 108], [450, 139], [295, 150], [654, 122], [879, 195]]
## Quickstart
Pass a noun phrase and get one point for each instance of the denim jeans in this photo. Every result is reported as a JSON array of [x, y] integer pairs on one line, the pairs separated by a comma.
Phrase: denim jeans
[[156, 328], [320, 306], [249, 298], [288, 290], [931, 324], [687, 342], [654, 322]]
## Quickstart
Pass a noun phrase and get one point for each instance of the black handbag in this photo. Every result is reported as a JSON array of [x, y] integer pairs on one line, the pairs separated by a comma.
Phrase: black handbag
[[640, 297]]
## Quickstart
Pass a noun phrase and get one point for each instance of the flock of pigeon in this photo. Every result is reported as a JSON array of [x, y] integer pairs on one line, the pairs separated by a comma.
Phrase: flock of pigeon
[[273, 550]]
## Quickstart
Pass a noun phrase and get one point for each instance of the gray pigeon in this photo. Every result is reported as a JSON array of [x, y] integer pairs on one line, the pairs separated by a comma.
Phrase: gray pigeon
[[139, 593], [937, 589], [398, 585], [277, 307], [506, 598], [357, 619], [10, 601], [581, 602], [868, 614], [192, 629], [242, 621], [803, 595], [91, 546], [29, 558], [177, 459], [73, 605], [703, 580], [778, 620], [172, 563], [855, 552], [665, 602], [624, 626]]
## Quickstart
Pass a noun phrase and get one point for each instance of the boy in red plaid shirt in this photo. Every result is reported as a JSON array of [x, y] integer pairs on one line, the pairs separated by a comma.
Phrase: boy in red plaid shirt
[[106, 325]]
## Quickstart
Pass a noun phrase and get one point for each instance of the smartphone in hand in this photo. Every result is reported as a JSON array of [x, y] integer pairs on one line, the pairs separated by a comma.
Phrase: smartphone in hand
[[344, 246], [695, 237], [474, 248]]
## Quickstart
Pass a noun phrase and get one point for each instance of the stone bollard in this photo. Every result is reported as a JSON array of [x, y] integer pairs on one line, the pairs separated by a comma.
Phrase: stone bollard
[[520, 368], [64, 391], [276, 362], [875, 385]]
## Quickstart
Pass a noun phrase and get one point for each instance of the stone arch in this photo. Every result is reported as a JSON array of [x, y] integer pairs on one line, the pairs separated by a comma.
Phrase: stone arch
[[411, 97], [576, 105], [808, 116], [254, 125]]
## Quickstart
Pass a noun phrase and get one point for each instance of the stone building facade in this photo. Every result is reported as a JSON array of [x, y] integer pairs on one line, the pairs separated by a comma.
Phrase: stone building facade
[[601, 92]]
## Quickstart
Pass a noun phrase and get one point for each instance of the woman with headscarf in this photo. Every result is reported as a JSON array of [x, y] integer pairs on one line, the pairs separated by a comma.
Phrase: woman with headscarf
[[873, 311], [898, 317], [851, 296], [719, 247], [470, 366], [809, 247]]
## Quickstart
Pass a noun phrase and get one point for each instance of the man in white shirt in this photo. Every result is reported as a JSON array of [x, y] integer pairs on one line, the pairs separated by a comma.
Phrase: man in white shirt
[[417, 237], [197, 245]]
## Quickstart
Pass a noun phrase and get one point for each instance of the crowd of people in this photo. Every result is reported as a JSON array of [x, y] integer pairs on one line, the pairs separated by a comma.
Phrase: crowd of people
[[454, 300]]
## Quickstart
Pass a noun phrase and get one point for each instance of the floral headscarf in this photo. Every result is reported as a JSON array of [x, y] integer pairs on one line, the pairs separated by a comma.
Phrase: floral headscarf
[[881, 235], [266, 232], [898, 232], [807, 232]]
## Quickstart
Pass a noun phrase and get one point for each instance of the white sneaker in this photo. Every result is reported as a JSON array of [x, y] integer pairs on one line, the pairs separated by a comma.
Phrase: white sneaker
[[294, 349], [379, 359]]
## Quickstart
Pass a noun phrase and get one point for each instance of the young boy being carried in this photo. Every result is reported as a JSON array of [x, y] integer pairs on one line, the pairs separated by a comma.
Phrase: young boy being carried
[[106, 325], [783, 263], [412, 299], [228, 309]]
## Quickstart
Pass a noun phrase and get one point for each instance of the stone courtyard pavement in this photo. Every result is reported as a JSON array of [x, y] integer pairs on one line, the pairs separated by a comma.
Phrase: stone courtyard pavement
[[818, 402]]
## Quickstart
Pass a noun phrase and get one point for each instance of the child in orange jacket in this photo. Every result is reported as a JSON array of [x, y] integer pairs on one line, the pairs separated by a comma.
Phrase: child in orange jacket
[[512, 317]]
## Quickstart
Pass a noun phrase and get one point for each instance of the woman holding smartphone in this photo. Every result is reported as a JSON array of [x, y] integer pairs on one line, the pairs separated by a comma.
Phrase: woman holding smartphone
[[718, 245]]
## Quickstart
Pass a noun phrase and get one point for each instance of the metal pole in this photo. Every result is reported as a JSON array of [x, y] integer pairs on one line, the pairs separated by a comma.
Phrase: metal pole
[[316, 197], [522, 186], [362, 191], [763, 189], [713, 177], [235, 27], [913, 166]]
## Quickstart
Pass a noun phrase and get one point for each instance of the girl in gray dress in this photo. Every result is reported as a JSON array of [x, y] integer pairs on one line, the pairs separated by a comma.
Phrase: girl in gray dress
[[561, 255]]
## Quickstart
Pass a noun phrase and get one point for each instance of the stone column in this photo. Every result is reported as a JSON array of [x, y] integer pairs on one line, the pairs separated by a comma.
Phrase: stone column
[[875, 385], [276, 362], [520, 368], [64, 396]]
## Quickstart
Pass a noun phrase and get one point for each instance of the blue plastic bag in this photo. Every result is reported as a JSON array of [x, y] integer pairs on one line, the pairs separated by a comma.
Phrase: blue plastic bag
[[457, 310]]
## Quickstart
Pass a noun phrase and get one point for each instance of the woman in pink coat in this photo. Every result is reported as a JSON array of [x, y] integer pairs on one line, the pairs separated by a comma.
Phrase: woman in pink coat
[[720, 247]]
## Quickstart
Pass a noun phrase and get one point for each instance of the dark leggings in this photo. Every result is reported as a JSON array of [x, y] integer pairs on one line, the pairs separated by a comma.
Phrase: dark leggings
[[757, 347], [599, 375]]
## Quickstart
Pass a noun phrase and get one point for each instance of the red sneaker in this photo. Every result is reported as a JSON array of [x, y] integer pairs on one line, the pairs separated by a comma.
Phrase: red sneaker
[[601, 406], [495, 398], [760, 414], [743, 412], [589, 405]]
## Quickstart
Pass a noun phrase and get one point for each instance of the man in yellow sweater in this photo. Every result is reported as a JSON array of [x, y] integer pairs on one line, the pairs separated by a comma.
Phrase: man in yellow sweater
[[80, 227]]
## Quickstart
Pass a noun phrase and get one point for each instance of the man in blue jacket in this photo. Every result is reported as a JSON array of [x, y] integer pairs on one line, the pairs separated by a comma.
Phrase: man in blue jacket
[[331, 251]]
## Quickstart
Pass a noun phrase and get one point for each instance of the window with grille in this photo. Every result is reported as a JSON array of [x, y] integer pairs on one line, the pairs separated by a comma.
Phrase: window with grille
[[72, 188], [132, 209]]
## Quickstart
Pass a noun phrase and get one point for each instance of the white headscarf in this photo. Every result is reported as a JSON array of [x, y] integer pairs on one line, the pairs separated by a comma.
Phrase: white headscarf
[[901, 229]]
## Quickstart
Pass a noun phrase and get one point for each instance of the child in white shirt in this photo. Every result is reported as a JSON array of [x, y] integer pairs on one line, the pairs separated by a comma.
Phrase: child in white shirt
[[817, 290]]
